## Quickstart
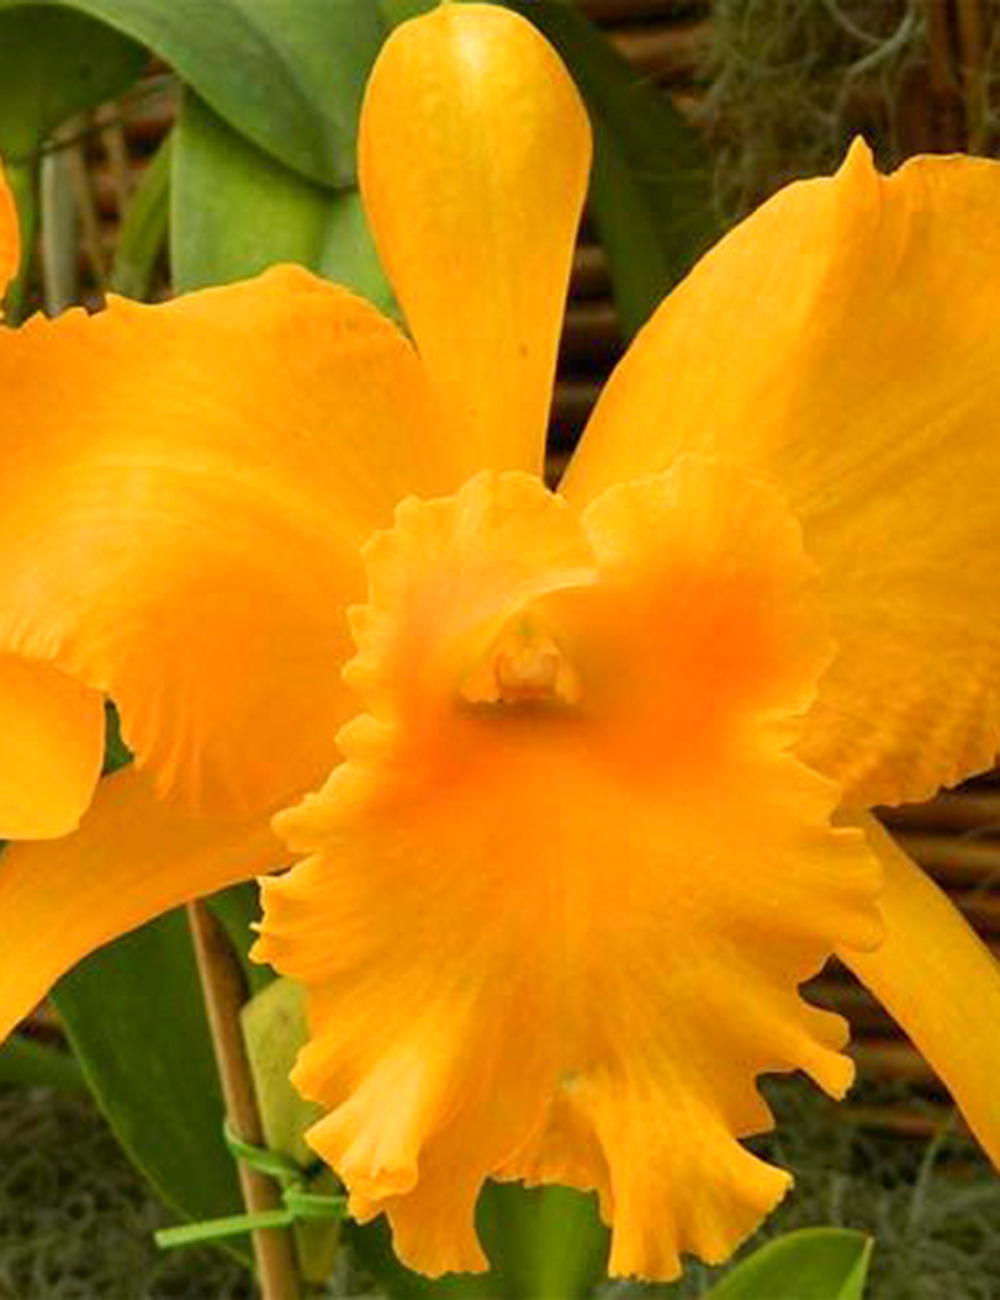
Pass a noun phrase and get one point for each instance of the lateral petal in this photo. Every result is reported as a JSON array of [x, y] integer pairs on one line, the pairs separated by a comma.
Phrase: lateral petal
[[51, 749], [939, 980], [133, 857], [185, 489], [474, 156], [844, 342], [10, 244]]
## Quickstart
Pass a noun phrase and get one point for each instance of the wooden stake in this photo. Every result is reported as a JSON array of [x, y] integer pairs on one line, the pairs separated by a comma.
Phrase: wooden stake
[[223, 988]]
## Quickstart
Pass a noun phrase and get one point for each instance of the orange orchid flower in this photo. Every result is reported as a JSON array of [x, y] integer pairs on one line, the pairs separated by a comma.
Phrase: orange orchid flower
[[596, 761]]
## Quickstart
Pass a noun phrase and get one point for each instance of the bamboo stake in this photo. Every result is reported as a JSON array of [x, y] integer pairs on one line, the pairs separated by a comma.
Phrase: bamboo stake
[[971, 25], [223, 989]]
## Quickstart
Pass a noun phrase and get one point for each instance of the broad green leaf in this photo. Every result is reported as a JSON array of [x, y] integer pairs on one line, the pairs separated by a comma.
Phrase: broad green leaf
[[812, 1264], [135, 1019], [143, 235], [235, 211], [34, 1065], [288, 74], [55, 63], [398, 11], [651, 193], [546, 1242], [274, 1028]]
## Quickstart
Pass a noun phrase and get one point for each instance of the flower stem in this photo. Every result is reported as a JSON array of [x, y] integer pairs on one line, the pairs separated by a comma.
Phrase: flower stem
[[223, 989]]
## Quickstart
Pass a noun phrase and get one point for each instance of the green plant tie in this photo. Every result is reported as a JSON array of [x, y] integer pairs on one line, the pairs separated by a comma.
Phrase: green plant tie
[[298, 1202]]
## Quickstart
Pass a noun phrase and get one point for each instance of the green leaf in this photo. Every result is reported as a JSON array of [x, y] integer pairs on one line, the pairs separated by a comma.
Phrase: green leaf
[[53, 64], [651, 190], [235, 211], [812, 1264], [399, 11], [288, 74], [116, 753], [33, 1065], [143, 235], [135, 1019], [547, 1243]]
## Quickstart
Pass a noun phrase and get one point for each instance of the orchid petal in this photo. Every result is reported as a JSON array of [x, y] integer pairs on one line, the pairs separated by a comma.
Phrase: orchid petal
[[132, 858], [844, 342], [10, 247], [184, 494], [937, 978], [51, 749], [475, 213]]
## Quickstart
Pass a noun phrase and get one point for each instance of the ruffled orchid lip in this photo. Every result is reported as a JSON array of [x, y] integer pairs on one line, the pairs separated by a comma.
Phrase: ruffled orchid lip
[[525, 827]]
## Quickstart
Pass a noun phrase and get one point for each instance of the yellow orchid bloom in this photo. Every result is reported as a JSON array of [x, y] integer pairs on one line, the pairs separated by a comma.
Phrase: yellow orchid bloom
[[597, 761], [52, 724]]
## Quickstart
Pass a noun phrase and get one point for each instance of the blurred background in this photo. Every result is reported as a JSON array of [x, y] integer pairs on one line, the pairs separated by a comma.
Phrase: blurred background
[[758, 92]]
